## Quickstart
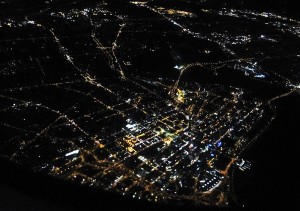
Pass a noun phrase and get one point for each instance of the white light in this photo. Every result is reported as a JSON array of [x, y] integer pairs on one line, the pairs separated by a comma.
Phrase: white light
[[178, 67], [260, 76], [130, 126], [72, 153]]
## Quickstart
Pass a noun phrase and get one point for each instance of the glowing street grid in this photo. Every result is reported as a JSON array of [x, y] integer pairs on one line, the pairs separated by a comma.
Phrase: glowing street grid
[[76, 104]]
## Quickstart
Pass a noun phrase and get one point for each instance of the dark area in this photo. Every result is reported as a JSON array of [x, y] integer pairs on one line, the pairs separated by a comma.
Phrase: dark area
[[222, 162], [272, 181]]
